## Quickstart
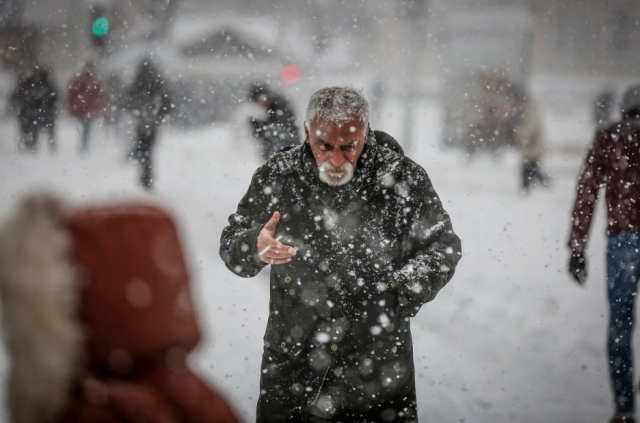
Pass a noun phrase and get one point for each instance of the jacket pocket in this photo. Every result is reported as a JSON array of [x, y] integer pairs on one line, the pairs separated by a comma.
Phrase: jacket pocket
[[284, 334], [391, 345], [281, 337]]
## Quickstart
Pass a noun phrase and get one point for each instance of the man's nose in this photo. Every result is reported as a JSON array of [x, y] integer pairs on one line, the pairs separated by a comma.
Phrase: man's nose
[[336, 157]]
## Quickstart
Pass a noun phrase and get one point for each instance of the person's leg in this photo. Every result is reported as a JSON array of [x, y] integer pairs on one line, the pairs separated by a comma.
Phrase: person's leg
[[145, 149], [622, 281], [527, 174], [30, 138], [51, 132], [86, 129], [542, 177]]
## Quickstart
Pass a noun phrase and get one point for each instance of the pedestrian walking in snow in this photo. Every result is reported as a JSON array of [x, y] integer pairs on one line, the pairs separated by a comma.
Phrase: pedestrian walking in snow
[[278, 129], [98, 317], [86, 100], [35, 100], [358, 241], [613, 162], [149, 103], [528, 131]]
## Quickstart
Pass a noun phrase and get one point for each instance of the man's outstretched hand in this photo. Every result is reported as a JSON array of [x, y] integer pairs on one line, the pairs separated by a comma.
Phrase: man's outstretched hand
[[270, 249], [578, 267]]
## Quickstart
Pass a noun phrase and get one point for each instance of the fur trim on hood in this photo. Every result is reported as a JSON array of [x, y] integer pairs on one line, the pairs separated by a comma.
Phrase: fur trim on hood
[[39, 302]]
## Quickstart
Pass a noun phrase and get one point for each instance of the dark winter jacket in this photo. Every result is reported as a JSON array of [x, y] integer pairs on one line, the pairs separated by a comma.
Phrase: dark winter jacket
[[613, 161], [278, 129], [35, 99], [369, 255], [86, 96]]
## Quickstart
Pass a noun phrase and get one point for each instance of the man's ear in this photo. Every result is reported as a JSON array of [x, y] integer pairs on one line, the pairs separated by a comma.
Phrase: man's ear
[[306, 133], [366, 134]]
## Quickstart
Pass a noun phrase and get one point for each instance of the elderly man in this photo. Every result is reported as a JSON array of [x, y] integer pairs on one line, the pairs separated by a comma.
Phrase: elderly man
[[358, 241]]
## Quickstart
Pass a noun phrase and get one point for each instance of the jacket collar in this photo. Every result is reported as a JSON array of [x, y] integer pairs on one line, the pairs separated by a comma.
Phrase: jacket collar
[[375, 163]]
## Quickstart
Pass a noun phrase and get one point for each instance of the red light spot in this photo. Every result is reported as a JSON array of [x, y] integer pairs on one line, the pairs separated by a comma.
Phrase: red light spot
[[290, 74]]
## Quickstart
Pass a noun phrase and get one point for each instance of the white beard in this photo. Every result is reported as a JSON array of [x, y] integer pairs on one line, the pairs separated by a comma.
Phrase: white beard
[[336, 175]]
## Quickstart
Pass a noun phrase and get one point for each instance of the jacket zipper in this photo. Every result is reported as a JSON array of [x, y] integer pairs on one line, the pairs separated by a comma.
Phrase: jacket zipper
[[324, 378]]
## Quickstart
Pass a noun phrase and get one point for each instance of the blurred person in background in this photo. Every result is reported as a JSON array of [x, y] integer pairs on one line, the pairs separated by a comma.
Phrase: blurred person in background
[[98, 317], [149, 102], [492, 120], [35, 100], [528, 130], [358, 241], [613, 162], [603, 109], [86, 100], [278, 129]]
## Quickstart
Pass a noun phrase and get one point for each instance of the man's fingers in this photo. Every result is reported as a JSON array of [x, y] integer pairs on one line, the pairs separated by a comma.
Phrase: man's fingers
[[279, 261], [279, 253], [271, 224]]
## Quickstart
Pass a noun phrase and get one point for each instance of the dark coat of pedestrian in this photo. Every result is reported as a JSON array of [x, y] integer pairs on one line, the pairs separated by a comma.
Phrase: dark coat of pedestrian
[[86, 100], [35, 99], [358, 241], [613, 162], [149, 102], [278, 129], [99, 319]]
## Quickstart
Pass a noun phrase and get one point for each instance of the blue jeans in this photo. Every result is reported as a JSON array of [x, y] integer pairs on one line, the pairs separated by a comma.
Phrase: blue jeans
[[86, 129], [623, 272]]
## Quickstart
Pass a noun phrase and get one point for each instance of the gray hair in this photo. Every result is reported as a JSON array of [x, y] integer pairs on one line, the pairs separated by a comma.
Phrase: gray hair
[[338, 104]]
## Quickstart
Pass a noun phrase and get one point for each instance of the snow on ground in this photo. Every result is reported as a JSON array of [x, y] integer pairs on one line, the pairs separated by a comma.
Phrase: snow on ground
[[511, 338]]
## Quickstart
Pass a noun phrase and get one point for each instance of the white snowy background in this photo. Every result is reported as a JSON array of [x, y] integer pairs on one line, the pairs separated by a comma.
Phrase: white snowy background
[[511, 338]]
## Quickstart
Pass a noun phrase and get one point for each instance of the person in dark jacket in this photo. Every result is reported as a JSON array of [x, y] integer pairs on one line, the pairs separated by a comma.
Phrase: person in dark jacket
[[358, 241], [86, 100], [278, 129], [613, 162], [35, 99], [149, 102]]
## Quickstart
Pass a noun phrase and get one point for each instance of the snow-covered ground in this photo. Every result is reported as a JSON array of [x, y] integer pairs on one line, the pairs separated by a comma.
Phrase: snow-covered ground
[[511, 338]]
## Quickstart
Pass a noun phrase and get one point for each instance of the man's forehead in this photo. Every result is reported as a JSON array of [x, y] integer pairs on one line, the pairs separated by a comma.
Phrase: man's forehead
[[323, 127]]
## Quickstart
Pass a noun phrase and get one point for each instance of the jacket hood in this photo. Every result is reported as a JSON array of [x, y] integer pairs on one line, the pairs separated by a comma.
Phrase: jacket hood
[[38, 289], [300, 159]]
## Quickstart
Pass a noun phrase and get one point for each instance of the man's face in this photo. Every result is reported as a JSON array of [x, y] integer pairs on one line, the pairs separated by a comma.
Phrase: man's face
[[263, 100], [336, 148]]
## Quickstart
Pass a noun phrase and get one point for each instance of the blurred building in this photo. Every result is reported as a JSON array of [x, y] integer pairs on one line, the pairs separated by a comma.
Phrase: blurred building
[[587, 37], [570, 37], [390, 47]]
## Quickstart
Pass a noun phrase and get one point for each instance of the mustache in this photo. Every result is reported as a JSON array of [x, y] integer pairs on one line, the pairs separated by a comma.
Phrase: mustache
[[336, 175]]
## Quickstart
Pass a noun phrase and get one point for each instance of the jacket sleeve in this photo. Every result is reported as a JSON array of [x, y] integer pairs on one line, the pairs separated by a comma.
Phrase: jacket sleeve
[[238, 243], [431, 248], [592, 176]]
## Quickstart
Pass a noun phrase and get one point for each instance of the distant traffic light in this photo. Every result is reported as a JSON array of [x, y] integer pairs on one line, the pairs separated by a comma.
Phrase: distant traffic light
[[99, 27]]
